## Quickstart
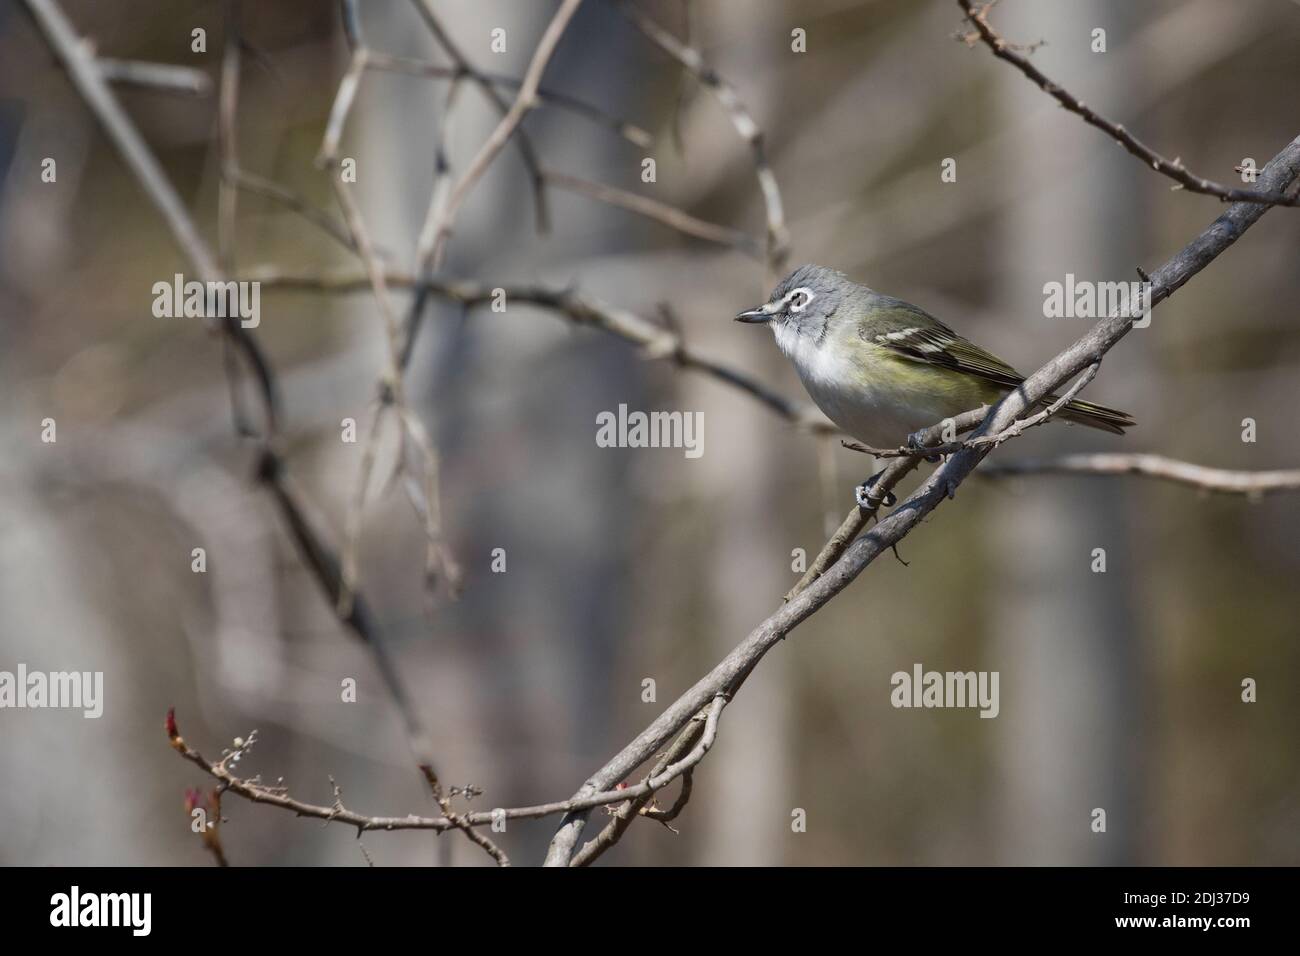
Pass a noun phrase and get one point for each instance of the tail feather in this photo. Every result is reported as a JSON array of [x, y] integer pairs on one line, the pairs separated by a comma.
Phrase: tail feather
[[1098, 416]]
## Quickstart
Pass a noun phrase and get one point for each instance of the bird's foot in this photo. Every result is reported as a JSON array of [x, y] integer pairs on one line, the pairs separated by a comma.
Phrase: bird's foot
[[862, 494], [917, 440]]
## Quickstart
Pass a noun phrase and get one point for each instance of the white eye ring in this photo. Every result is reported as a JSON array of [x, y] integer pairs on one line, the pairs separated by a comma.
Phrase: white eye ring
[[799, 306]]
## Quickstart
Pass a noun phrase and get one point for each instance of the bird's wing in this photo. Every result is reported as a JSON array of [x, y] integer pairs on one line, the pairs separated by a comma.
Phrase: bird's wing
[[915, 334]]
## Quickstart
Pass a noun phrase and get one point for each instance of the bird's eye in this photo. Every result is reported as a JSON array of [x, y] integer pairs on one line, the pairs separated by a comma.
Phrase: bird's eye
[[799, 300]]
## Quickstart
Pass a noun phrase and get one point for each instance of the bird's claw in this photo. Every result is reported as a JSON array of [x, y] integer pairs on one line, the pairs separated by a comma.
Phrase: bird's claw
[[916, 440], [862, 494]]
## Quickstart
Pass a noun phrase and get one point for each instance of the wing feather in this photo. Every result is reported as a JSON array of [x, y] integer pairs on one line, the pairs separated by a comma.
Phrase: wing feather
[[917, 335]]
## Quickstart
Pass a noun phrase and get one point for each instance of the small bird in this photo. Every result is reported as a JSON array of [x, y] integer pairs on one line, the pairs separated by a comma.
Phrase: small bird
[[881, 368]]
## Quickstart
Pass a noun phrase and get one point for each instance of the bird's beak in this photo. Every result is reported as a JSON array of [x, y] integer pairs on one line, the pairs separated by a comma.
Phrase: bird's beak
[[762, 313]]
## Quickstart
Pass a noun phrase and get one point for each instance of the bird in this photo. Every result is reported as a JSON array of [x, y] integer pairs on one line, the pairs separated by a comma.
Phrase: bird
[[881, 368]]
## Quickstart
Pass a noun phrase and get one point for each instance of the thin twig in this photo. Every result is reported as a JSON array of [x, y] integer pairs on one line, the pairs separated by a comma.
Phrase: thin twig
[[344, 97], [660, 212], [977, 14], [392, 391], [653, 339], [356, 512], [319, 556], [438, 230], [856, 521], [163, 77], [702, 730], [778, 236], [458, 821], [227, 125], [255, 791], [1252, 484], [522, 142], [411, 66], [983, 441], [253, 183], [526, 101]]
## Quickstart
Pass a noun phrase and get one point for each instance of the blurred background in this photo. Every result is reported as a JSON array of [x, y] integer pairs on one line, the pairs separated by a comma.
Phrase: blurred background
[[1118, 690]]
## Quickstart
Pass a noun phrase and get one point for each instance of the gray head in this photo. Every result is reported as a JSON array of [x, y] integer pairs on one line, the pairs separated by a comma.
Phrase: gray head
[[804, 300]]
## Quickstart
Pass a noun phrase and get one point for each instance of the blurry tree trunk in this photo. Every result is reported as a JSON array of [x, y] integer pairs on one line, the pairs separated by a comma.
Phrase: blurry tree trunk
[[743, 824], [1065, 640], [745, 820]]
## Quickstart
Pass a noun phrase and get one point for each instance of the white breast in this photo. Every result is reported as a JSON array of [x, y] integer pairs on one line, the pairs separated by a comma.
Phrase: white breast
[[873, 409]]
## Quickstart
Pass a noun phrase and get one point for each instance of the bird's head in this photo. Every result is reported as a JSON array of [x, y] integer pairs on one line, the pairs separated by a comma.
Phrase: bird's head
[[804, 299]]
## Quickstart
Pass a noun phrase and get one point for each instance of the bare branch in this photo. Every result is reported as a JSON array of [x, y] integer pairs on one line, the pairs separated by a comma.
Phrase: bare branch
[[655, 341], [691, 745], [343, 100], [1252, 484], [163, 77], [319, 556], [253, 183], [459, 821], [856, 521], [277, 795], [778, 236], [425, 9], [977, 13], [727, 676], [526, 101], [562, 101], [227, 143], [670, 216], [983, 441], [356, 513], [392, 391], [437, 231]]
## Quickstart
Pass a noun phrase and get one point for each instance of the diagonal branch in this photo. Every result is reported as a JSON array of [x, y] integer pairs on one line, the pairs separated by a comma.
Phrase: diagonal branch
[[728, 675], [449, 46], [691, 745], [778, 236], [670, 216], [977, 12], [318, 555], [561, 101], [525, 102], [1018, 427], [438, 229]]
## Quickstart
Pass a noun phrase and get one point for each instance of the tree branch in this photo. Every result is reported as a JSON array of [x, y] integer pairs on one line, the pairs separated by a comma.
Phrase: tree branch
[[778, 236], [526, 101], [727, 676], [319, 557], [449, 46], [656, 341], [1252, 484], [669, 216], [977, 14], [277, 795]]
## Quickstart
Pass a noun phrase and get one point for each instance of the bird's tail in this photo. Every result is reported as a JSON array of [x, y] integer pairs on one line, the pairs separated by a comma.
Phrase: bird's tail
[[1098, 416]]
